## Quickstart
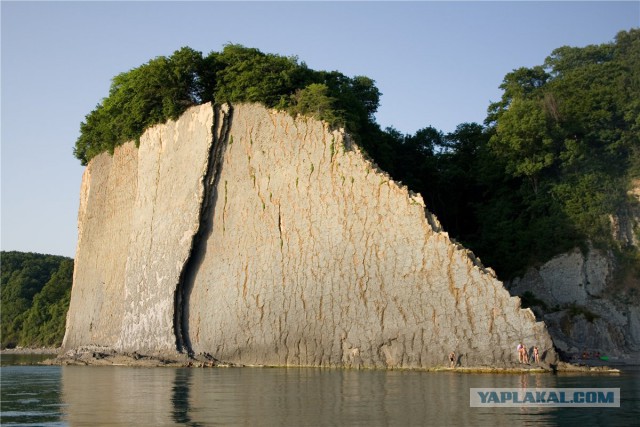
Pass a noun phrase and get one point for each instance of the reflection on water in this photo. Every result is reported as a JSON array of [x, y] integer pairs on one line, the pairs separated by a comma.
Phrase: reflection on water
[[181, 391], [124, 396], [30, 396], [10, 359], [120, 395]]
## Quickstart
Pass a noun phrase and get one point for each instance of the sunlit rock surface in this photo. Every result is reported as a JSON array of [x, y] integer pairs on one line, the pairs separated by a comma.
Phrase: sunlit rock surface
[[139, 211], [261, 239]]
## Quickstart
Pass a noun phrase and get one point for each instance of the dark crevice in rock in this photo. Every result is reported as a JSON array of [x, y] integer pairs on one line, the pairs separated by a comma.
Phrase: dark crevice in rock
[[222, 116]]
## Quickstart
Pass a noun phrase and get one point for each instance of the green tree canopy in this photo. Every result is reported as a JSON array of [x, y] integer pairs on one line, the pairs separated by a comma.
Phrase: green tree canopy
[[566, 137], [159, 90], [314, 101], [165, 87]]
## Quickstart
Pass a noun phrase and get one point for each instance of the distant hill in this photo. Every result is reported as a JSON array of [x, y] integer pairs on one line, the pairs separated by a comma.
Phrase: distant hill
[[35, 298]]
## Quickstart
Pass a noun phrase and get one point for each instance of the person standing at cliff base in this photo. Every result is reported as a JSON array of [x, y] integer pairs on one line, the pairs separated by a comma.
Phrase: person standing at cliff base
[[536, 354], [520, 349], [452, 359]]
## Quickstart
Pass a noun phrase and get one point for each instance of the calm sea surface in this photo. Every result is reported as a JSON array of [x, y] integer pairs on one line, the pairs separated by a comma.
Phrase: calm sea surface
[[124, 396]]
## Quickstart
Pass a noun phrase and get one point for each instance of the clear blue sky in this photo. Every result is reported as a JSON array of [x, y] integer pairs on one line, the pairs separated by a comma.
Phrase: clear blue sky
[[436, 63]]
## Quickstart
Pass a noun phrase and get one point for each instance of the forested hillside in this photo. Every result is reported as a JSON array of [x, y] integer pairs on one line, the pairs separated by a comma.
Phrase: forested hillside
[[35, 298]]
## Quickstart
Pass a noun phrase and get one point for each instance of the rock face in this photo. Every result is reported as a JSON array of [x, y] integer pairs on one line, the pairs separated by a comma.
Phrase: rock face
[[139, 211], [267, 240], [573, 294], [570, 278], [586, 307]]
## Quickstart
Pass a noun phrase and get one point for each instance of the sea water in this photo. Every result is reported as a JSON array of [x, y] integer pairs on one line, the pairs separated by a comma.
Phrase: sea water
[[132, 396]]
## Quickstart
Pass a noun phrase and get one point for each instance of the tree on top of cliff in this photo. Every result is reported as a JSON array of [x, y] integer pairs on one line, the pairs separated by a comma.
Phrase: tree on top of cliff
[[165, 87], [159, 90], [248, 75]]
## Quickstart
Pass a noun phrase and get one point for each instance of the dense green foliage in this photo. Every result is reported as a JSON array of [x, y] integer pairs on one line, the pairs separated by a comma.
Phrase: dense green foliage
[[35, 298], [567, 137], [152, 93], [552, 161], [165, 87]]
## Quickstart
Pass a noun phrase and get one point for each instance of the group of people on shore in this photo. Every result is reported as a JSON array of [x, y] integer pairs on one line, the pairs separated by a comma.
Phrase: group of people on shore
[[523, 354]]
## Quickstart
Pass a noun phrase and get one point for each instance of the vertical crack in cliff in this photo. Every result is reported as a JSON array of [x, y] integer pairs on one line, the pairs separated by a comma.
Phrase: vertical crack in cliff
[[222, 116], [280, 229]]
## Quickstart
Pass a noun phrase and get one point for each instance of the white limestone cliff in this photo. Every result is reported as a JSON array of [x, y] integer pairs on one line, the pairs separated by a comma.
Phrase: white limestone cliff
[[261, 239], [138, 214]]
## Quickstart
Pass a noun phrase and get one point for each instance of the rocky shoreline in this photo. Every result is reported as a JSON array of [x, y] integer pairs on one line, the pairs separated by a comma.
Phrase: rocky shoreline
[[105, 357], [108, 357]]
